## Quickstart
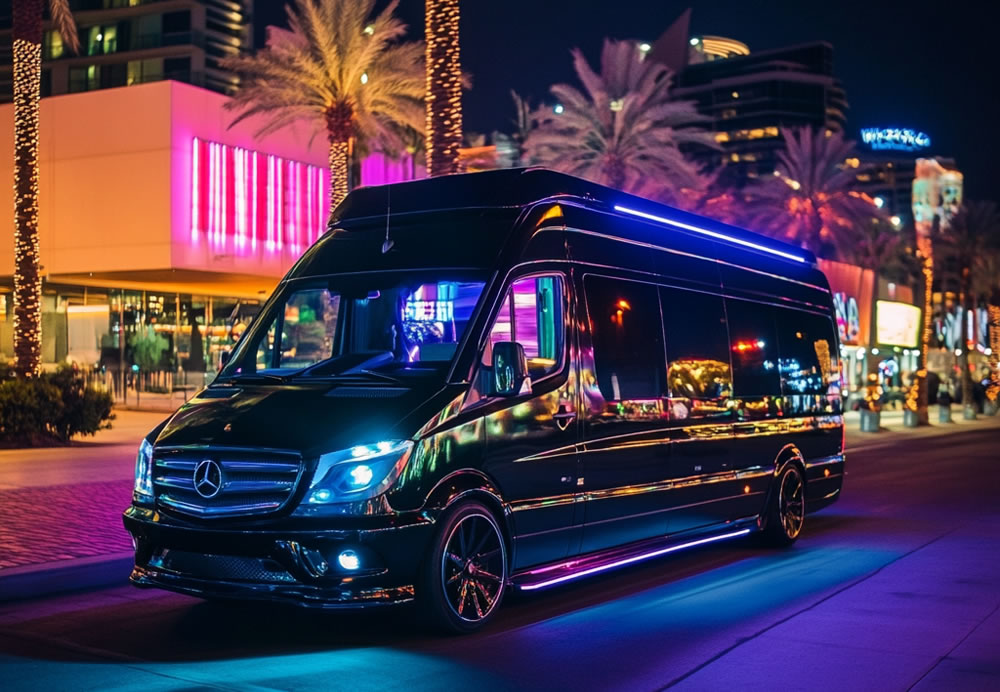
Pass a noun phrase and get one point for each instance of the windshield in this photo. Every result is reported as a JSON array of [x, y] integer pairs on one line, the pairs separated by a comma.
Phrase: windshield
[[367, 325]]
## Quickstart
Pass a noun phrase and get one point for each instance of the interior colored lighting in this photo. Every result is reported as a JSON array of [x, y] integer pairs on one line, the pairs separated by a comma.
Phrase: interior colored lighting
[[711, 234], [633, 559]]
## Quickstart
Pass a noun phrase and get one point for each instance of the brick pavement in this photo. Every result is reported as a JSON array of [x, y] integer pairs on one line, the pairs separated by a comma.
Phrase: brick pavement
[[86, 521]]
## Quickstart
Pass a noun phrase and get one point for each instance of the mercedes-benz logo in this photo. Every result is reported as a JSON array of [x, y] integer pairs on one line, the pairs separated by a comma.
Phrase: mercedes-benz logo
[[208, 478]]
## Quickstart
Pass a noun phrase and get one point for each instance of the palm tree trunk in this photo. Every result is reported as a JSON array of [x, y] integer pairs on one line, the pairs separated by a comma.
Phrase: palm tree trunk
[[339, 129], [993, 390], [340, 171], [27, 48], [444, 87], [965, 300], [916, 398]]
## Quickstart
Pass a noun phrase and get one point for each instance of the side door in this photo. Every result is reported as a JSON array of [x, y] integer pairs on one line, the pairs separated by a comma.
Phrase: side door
[[624, 463], [761, 422], [700, 382], [531, 437]]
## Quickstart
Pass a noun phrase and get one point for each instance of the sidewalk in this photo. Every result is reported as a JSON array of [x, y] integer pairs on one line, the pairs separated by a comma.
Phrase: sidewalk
[[62, 505], [892, 427]]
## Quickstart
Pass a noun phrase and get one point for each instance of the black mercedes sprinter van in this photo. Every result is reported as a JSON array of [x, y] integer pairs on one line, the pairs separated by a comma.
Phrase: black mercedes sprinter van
[[508, 379]]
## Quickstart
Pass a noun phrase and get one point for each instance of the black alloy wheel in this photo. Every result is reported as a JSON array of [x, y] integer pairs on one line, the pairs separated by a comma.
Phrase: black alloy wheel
[[787, 507], [464, 578]]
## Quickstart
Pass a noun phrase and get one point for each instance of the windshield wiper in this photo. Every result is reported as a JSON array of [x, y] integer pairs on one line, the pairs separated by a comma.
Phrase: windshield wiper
[[374, 374], [247, 376]]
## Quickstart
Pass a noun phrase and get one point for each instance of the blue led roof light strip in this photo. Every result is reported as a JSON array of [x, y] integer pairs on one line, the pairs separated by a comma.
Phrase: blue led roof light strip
[[711, 234]]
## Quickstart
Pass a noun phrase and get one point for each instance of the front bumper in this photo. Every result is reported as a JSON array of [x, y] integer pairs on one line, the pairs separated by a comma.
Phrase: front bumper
[[292, 562]]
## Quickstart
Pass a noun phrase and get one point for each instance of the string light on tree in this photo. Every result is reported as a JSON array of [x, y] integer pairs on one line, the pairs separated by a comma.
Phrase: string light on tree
[[444, 87], [27, 281]]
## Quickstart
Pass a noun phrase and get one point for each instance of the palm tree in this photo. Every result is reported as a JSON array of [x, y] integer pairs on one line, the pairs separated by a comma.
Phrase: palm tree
[[444, 87], [27, 48], [342, 72], [809, 200], [624, 130], [965, 248]]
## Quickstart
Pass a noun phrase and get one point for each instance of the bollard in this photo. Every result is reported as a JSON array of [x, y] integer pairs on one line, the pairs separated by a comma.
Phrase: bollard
[[944, 414]]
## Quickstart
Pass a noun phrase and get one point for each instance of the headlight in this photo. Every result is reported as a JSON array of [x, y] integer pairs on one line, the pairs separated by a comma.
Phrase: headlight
[[358, 473], [143, 489]]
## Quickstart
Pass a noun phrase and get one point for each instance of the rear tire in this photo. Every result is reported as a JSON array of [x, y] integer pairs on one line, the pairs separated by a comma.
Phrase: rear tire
[[464, 578], [785, 514]]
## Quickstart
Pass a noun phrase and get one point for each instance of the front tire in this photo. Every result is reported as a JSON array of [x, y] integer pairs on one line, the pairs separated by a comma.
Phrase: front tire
[[464, 578], [786, 510]]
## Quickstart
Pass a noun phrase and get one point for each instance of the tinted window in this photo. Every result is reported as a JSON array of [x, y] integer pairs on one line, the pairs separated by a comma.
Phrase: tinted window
[[754, 348], [628, 338], [808, 367], [531, 315], [699, 375]]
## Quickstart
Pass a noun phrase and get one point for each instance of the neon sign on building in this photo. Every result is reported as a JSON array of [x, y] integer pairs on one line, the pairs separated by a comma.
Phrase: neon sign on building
[[249, 201], [896, 138]]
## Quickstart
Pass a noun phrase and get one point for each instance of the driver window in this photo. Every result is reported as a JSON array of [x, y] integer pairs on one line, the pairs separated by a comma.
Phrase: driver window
[[531, 315]]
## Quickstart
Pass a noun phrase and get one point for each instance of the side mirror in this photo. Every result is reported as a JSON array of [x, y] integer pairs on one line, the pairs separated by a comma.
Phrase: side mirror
[[509, 375]]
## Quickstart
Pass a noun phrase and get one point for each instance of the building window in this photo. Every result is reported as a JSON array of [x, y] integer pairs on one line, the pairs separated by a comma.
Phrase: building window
[[627, 336], [102, 39], [52, 46]]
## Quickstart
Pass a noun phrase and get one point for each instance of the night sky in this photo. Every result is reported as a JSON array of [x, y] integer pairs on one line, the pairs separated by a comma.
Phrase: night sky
[[932, 66]]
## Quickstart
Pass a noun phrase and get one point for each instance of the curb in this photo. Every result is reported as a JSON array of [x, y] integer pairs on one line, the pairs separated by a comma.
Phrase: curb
[[50, 578]]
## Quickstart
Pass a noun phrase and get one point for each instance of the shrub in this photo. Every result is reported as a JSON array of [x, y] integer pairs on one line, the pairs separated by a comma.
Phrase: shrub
[[50, 408]]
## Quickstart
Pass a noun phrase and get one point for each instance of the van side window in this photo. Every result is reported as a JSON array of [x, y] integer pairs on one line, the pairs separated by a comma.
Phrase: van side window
[[808, 366], [628, 338], [699, 374], [531, 315], [754, 348]]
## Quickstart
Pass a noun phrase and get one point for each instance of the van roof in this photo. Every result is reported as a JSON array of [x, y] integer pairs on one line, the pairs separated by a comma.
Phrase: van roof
[[524, 187]]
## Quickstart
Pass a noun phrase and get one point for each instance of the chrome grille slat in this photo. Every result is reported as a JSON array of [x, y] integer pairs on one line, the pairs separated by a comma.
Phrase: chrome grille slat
[[276, 467], [253, 481], [256, 486]]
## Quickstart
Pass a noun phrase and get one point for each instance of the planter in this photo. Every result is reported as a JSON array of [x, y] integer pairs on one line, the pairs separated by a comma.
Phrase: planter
[[871, 421]]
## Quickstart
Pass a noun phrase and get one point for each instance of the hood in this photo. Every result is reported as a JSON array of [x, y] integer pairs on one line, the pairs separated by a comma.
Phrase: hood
[[311, 418]]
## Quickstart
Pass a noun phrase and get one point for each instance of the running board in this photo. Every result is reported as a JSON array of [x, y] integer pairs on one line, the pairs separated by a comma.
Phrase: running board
[[594, 563]]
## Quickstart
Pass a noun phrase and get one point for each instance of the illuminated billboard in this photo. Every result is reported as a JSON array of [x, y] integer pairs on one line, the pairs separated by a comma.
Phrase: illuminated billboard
[[895, 138], [897, 324]]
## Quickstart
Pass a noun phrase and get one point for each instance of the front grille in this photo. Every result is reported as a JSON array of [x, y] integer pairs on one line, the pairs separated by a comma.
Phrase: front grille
[[249, 481], [224, 567]]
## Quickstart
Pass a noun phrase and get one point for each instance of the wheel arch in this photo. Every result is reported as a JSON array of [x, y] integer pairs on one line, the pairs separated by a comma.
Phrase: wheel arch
[[789, 454]]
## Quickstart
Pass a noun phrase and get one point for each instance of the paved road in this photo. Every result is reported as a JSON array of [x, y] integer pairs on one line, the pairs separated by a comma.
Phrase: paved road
[[895, 587]]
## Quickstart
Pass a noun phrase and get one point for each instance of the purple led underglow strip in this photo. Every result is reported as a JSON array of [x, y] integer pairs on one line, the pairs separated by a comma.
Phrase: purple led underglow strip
[[711, 234], [630, 560]]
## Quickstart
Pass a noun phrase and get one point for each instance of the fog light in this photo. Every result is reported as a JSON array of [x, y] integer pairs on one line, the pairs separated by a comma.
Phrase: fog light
[[349, 560]]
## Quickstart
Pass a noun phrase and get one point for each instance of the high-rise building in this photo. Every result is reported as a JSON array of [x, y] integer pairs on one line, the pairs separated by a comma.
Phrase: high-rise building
[[750, 96], [124, 42]]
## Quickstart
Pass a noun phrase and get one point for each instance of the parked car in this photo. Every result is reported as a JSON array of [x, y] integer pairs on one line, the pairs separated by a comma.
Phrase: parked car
[[504, 380]]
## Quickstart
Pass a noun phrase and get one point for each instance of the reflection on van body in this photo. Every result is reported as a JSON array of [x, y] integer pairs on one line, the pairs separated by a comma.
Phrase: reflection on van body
[[540, 380]]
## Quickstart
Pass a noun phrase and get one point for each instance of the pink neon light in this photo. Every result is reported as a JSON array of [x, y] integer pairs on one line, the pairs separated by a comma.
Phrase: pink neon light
[[239, 198], [253, 196], [195, 184]]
